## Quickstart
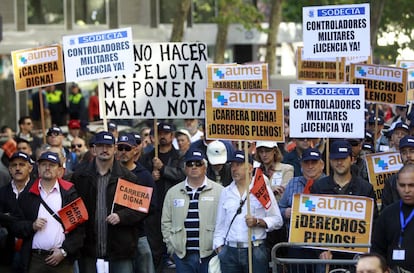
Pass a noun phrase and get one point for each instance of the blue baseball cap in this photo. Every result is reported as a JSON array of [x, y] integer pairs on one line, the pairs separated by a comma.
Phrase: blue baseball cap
[[311, 154], [21, 155], [194, 155], [104, 137], [50, 156], [127, 139], [407, 141], [238, 156], [340, 149]]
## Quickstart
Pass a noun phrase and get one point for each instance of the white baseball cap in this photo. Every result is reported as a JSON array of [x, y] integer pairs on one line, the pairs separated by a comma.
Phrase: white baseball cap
[[266, 144], [216, 153]]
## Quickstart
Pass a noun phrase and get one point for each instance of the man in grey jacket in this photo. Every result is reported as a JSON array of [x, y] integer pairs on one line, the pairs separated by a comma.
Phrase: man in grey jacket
[[189, 216]]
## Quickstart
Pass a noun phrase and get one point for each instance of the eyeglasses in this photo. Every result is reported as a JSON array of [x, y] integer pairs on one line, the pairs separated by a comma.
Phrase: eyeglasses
[[76, 145], [124, 148], [191, 164]]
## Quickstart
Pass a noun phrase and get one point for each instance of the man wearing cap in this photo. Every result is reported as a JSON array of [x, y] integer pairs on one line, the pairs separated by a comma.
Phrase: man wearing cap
[[128, 148], [359, 165], [390, 193], [342, 181], [167, 171], [20, 168], [111, 231], [113, 128], [380, 140], [54, 138], [218, 168], [189, 216], [231, 240], [312, 167], [46, 246], [399, 131]]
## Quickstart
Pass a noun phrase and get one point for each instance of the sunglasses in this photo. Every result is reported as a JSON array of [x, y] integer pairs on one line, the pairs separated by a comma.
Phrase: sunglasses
[[194, 163], [53, 134], [124, 148], [76, 145]]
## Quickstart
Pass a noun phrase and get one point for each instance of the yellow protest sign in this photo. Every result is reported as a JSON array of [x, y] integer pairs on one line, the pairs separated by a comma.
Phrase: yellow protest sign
[[244, 114], [383, 84], [380, 167], [36, 67], [235, 76], [331, 219], [324, 70]]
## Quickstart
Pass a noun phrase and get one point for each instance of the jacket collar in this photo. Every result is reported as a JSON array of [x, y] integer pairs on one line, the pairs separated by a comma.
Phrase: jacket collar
[[66, 185]]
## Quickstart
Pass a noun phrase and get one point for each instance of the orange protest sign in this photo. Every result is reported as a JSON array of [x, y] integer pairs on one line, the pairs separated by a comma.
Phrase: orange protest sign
[[259, 189], [73, 214], [133, 196]]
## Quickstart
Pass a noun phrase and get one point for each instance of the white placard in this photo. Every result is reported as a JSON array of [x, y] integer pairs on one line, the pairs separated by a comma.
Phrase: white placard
[[98, 55], [336, 31], [169, 82], [327, 110]]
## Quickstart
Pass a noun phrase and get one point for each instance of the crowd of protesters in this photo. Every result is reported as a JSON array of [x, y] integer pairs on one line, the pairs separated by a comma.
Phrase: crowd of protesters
[[198, 207]]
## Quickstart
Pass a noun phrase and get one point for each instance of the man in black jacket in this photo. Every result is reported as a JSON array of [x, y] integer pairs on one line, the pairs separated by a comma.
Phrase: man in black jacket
[[111, 230], [20, 168]]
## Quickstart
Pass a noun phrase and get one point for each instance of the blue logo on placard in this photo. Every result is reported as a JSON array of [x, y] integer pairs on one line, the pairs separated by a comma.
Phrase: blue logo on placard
[[341, 11], [299, 92]]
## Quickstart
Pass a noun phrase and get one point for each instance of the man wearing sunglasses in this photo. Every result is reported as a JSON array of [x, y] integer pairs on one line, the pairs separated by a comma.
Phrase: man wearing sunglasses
[[128, 147], [189, 216]]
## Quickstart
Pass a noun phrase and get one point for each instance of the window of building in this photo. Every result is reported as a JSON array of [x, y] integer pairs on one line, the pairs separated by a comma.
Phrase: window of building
[[89, 12], [41, 12]]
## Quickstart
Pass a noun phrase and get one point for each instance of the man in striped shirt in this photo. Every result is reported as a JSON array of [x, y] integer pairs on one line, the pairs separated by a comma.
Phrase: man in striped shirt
[[189, 216]]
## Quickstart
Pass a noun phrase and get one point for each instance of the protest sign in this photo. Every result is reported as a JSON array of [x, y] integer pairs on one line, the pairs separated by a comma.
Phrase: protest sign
[[98, 55], [168, 82], [332, 219], [73, 214], [409, 65], [383, 84], [323, 69], [380, 167], [355, 60], [259, 189], [244, 114], [133, 196], [405, 63], [410, 84], [336, 31], [327, 110], [235, 76], [36, 67]]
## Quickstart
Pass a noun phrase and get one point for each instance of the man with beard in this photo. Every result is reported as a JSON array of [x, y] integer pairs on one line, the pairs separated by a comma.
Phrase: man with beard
[[128, 149], [167, 171], [390, 193], [111, 230], [342, 181]]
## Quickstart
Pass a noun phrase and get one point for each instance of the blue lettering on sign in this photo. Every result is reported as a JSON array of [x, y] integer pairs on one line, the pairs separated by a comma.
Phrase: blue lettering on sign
[[102, 37], [341, 11], [332, 91]]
